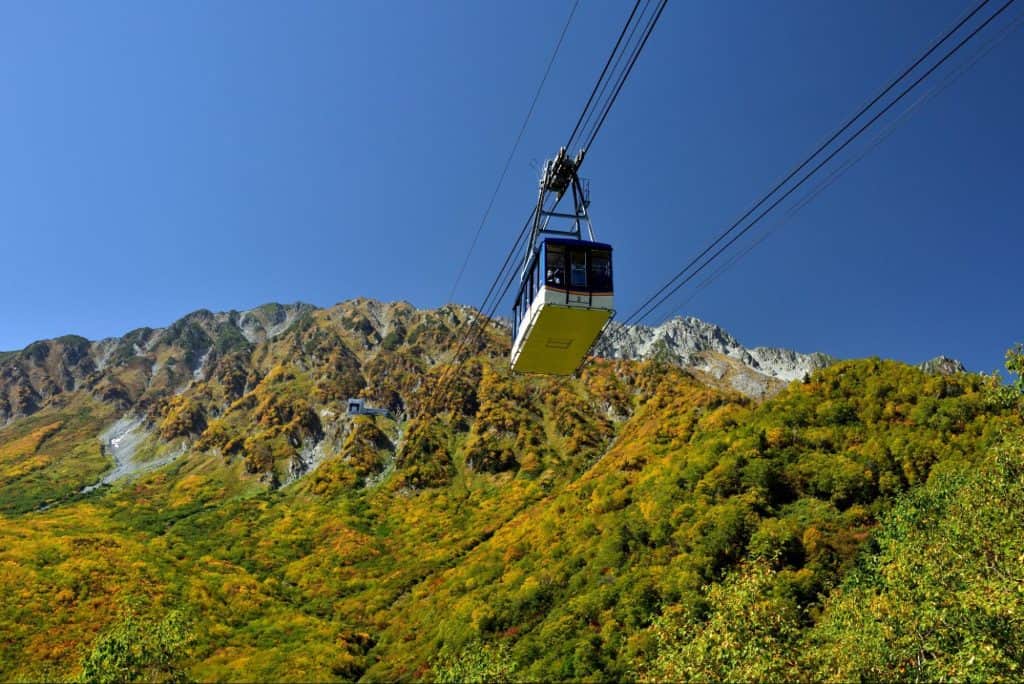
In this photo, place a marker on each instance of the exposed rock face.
(691, 342)
(31, 377)
(942, 365)
(351, 346)
(269, 387)
(139, 367)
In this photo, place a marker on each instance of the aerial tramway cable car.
(565, 294)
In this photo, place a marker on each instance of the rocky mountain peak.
(691, 342)
(267, 321)
(942, 365)
(146, 365)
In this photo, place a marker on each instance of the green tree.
(1011, 394)
(1015, 365)
(942, 598)
(750, 633)
(136, 649)
(478, 662)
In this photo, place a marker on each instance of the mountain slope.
(548, 524)
(294, 365)
(147, 364)
(687, 339)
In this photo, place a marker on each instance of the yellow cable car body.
(565, 301)
(565, 296)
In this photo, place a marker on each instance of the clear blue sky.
(160, 157)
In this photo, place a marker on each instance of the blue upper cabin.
(566, 265)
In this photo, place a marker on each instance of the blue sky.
(157, 158)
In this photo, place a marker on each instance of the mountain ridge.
(564, 526)
(142, 366)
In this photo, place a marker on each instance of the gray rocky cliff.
(691, 342)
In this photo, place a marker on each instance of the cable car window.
(578, 268)
(600, 271)
(554, 266)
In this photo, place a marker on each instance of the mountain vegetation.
(639, 521)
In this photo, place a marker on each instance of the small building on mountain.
(358, 407)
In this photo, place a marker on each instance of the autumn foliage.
(631, 523)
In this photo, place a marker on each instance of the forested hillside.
(639, 521)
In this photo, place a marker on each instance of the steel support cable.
(827, 159)
(589, 111)
(833, 176)
(457, 365)
(508, 277)
(508, 261)
(625, 75)
(472, 334)
(475, 331)
(483, 307)
(600, 78)
(511, 154)
(476, 328)
(605, 108)
(807, 160)
(836, 174)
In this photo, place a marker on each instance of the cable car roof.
(572, 242)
